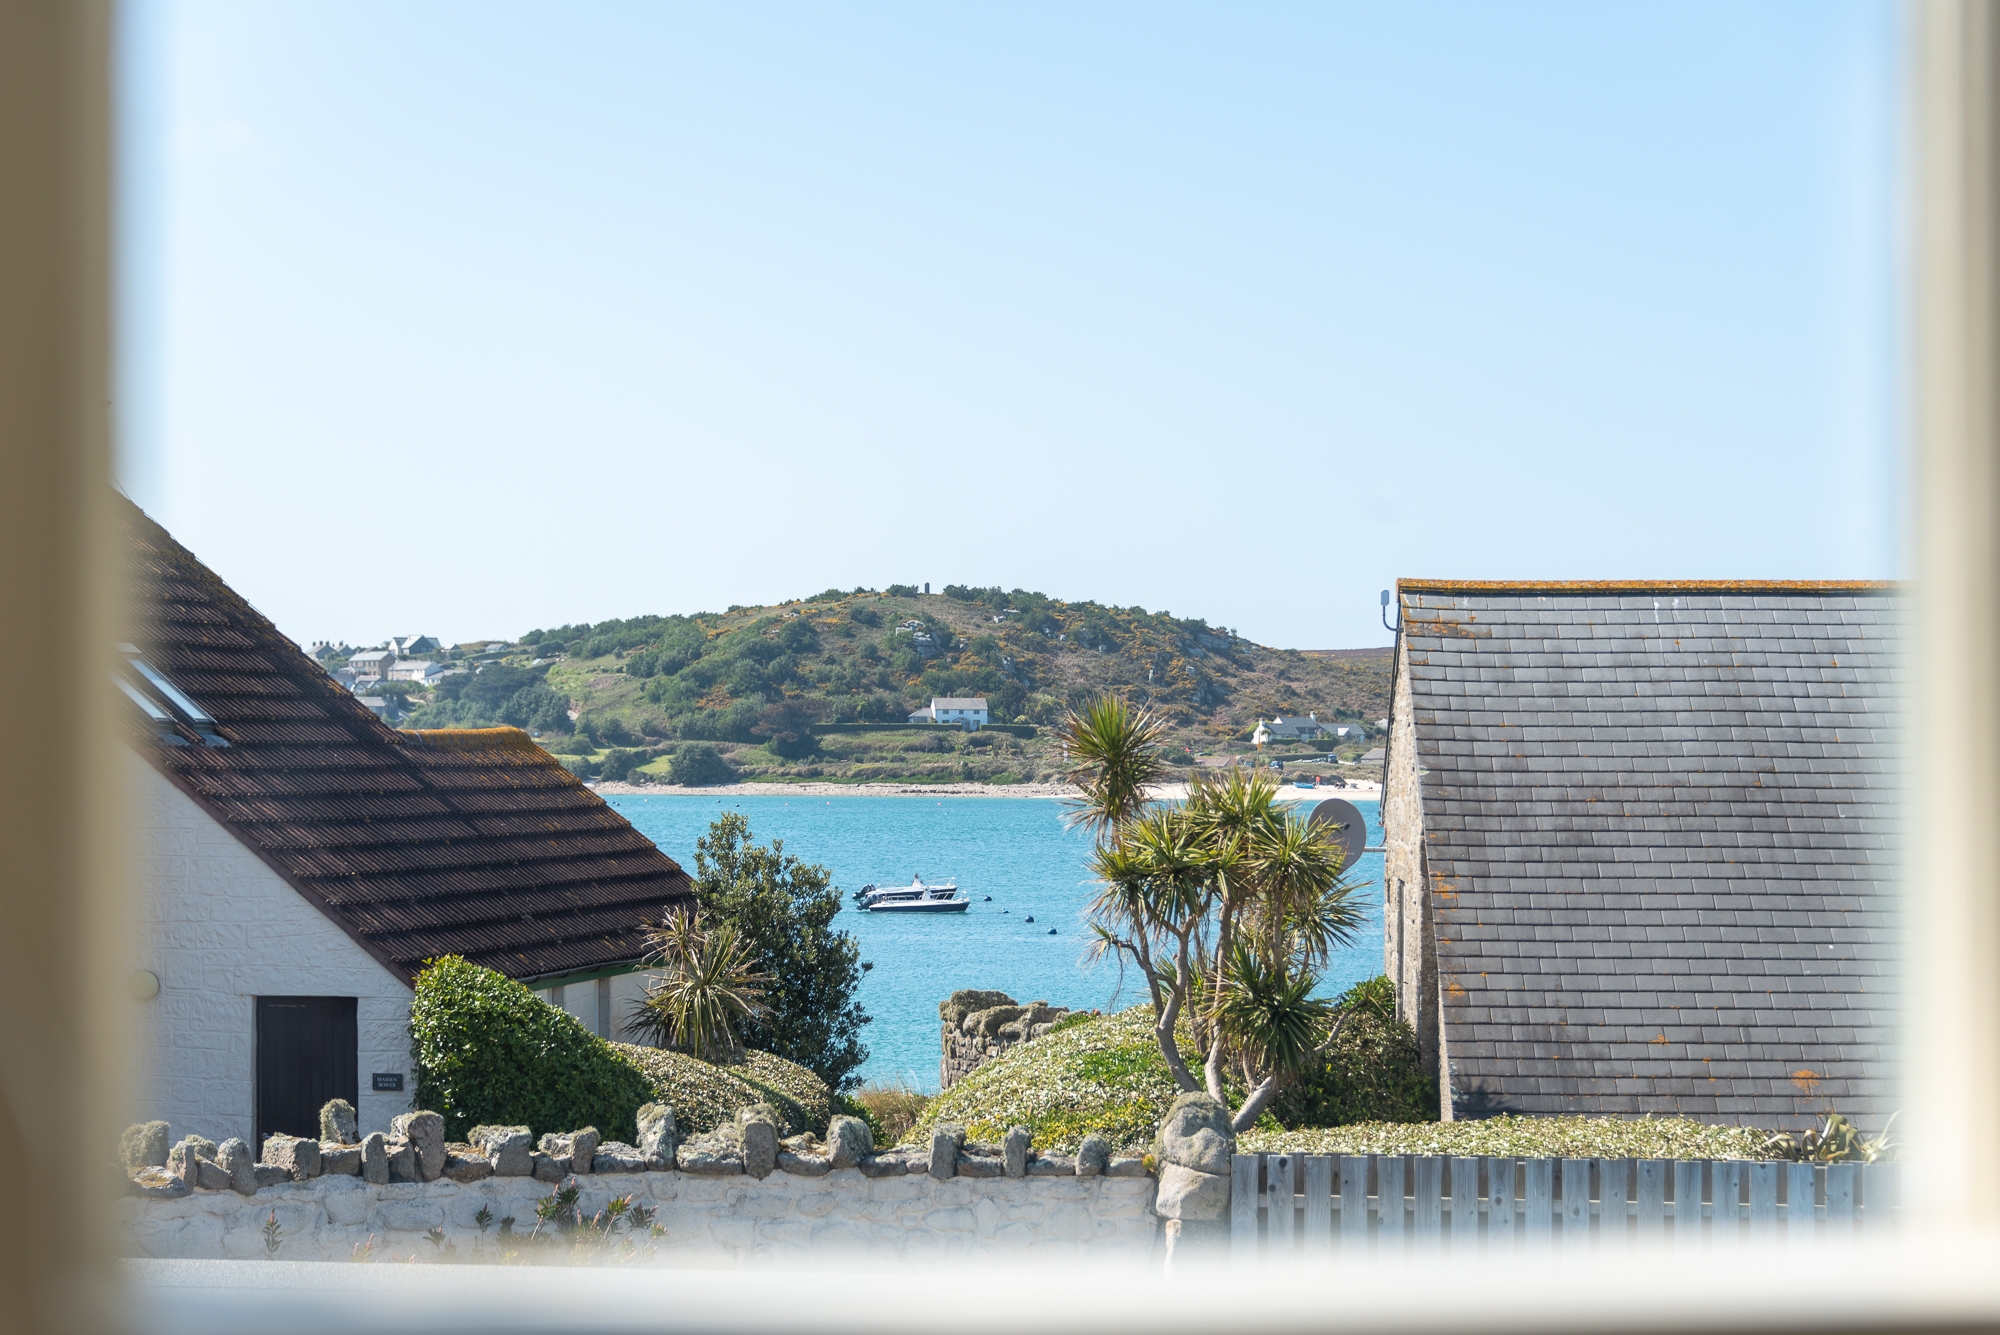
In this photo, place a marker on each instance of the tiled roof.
(418, 844)
(958, 702)
(1659, 825)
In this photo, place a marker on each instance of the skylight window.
(158, 689)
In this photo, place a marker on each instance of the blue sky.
(471, 318)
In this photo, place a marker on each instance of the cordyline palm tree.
(1228, 905)
(705, 988)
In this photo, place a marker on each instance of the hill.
(771, 687)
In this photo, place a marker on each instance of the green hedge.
(487, 1050)
(1023, 730)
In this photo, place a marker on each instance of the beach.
(1170, 792)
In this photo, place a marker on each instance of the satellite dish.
(1350, 826)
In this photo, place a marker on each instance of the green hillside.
(781, 691)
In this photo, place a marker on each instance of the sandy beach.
(1171, 792)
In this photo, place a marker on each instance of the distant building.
(422, 671)
(410, 646)
(371, 665)
(1295, 729)
(968, 711)
(325, 649)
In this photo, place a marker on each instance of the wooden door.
(307, 1052)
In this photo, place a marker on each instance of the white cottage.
(300, 860)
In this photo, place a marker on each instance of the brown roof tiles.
(418, 844)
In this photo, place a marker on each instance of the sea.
(1024, 934)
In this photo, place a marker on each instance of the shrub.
(487, 1050)
(704, 1095)
(890, 1110)
(697, 764)
(1372, 1074)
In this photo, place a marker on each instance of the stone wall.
(737, 1192)
(978, 1026)
(703, 1220)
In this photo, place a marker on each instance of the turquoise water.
(1013, 849)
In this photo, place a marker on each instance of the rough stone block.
(1051, 1165)
(271, 1174)
(338, 1124)
(706, 1162)
(615, 1156)
(1014, 1150)
(848, 1141)
(577, 1148)
(945, 1142)
(233, 1157)
(981, 1166)
(467, 1167)
(1188, 1194)
(1132, 1167)
(882, 1165)
(157, 1183)
(1195, 1134)
(339, 1160)
(658, 1137)
(181, 1159)
(758, 1126)
(550, 1169)
(425, 1133)
(402, 1160)
(804, 1165)
(299, 1158)
(508, 1147)
(374, 1158)
(1093, 1155)
(210, 1176)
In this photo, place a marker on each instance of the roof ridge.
(1648, 585)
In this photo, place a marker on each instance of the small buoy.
(1006, 910)
(989, 899)
(1031, 917)
(1052, 931)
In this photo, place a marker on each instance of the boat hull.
(921, 906)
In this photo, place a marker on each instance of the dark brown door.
(307, 1052)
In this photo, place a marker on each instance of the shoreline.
(1170, 792)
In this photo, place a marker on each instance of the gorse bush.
(487, 1050)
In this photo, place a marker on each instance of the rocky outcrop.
(425, 1133)
(300, 1158)
(658, 1140)
(510, 1149)
(980, 1025)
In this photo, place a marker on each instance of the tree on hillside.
(782, 910)
(1227, 905)
(786, 727)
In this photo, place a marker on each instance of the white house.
(967, 711)
(299, 860)
(410, 646)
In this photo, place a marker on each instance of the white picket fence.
(1293, 1204)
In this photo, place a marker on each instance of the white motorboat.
(918, 896)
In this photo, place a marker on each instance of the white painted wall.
(221, 929)
(601, 1004)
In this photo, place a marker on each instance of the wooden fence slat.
(1575, 1200)
(1614, 1198)
(1316, 1223)
(1840, 1199)
(1427, 1187)
(1878, 1194)
(1763, 1200)
(1500, 1217)
(1279, 1205)
(1725, 1194)
(1464, 1201)
(1353, 1199)
(1540, 1199)
(1652, 1199)
(1389, 1200)
(1801, 1195)
(1243, 1242)
(1687, 1200)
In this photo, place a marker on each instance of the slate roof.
(418, 844)
(1659, 825)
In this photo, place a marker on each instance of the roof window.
(152, 689)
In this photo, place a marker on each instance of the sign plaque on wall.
(388, 1082)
